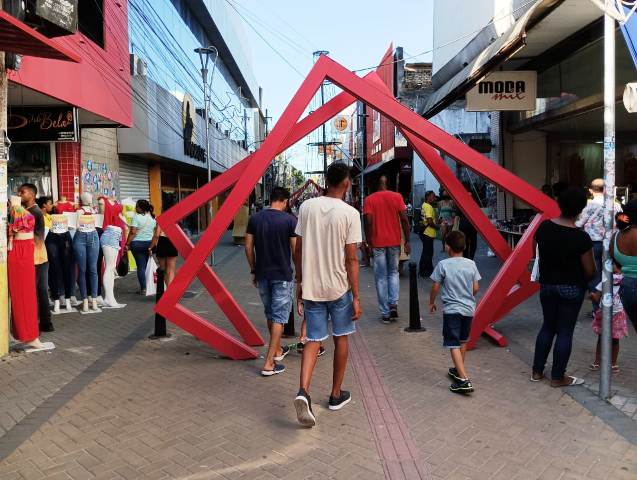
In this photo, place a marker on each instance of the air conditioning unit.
(137, 65)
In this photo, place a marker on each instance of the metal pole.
(415, 324)
(160, 321)
(324, 144)
(609, 200)
(4, 159)
(204, 75)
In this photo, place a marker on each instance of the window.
(91, 20)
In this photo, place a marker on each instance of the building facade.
(558, 139)
(163, 156)
(52, 116)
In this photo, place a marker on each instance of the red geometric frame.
(509, 288)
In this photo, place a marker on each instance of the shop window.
(91, 20)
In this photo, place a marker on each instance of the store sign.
(191, 149)
(341, 123)
(61, 13)
(43, 124)
(513, 91)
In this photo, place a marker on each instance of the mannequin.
(113, 215)
(86, 249)
(62, 205)
(59, 246)
(21, 271)
(110, 242)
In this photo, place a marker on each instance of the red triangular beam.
(509, 288)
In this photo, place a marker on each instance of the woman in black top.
(566, 265)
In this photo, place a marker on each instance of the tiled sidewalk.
(110, 404)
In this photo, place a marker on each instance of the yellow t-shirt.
(48, 222)
(428, 212)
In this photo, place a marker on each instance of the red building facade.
(97, 88)
(380, 131)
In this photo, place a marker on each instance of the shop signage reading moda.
(42, 124)
(513, 91)
(191, 149)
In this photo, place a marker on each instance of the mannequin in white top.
(86, 248)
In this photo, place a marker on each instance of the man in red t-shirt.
(385, 214)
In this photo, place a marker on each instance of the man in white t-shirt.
(326, 260)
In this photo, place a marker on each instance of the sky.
(355, 32)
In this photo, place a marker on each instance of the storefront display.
(86, 249)
(59, 247)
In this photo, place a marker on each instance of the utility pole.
(4, 160)
(317, 55)
(609, 199)
(323, 128)
(245, 129)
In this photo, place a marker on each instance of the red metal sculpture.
(510, 287)
(297, 194)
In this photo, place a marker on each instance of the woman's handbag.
(122, 266)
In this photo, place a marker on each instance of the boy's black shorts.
(455, 329)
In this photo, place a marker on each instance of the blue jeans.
(276, 296)
(386, 275)
(86, 247)
(628, 294)
(139, 249)
(318, 314)
(560, 305)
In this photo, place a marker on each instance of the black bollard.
(288, 329)
(160, 322)
(414, 307)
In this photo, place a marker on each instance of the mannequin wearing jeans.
(139, 239)
(86, 248)
(59, 246)
(110, 247)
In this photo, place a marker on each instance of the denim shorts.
(455, 329)
(276, 296)
(111, 237)
(318, 314)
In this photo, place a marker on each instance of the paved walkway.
(110, 404)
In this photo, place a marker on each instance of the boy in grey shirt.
(456, 278)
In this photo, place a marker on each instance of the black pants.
(426, 265)
(59, 248)
(42, 294)
(560, 305)
(471, 238)
(628, 294)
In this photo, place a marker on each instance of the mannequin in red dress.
(21, 270)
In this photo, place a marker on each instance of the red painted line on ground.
(394, 444)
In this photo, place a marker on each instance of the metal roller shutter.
(133, 180)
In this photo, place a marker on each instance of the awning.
(17, 37)
(630, 34)
(544, 25)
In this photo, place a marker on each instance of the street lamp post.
(204, 57)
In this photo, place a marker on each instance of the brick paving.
(110, 404)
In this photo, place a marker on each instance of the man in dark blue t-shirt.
(270, 241)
